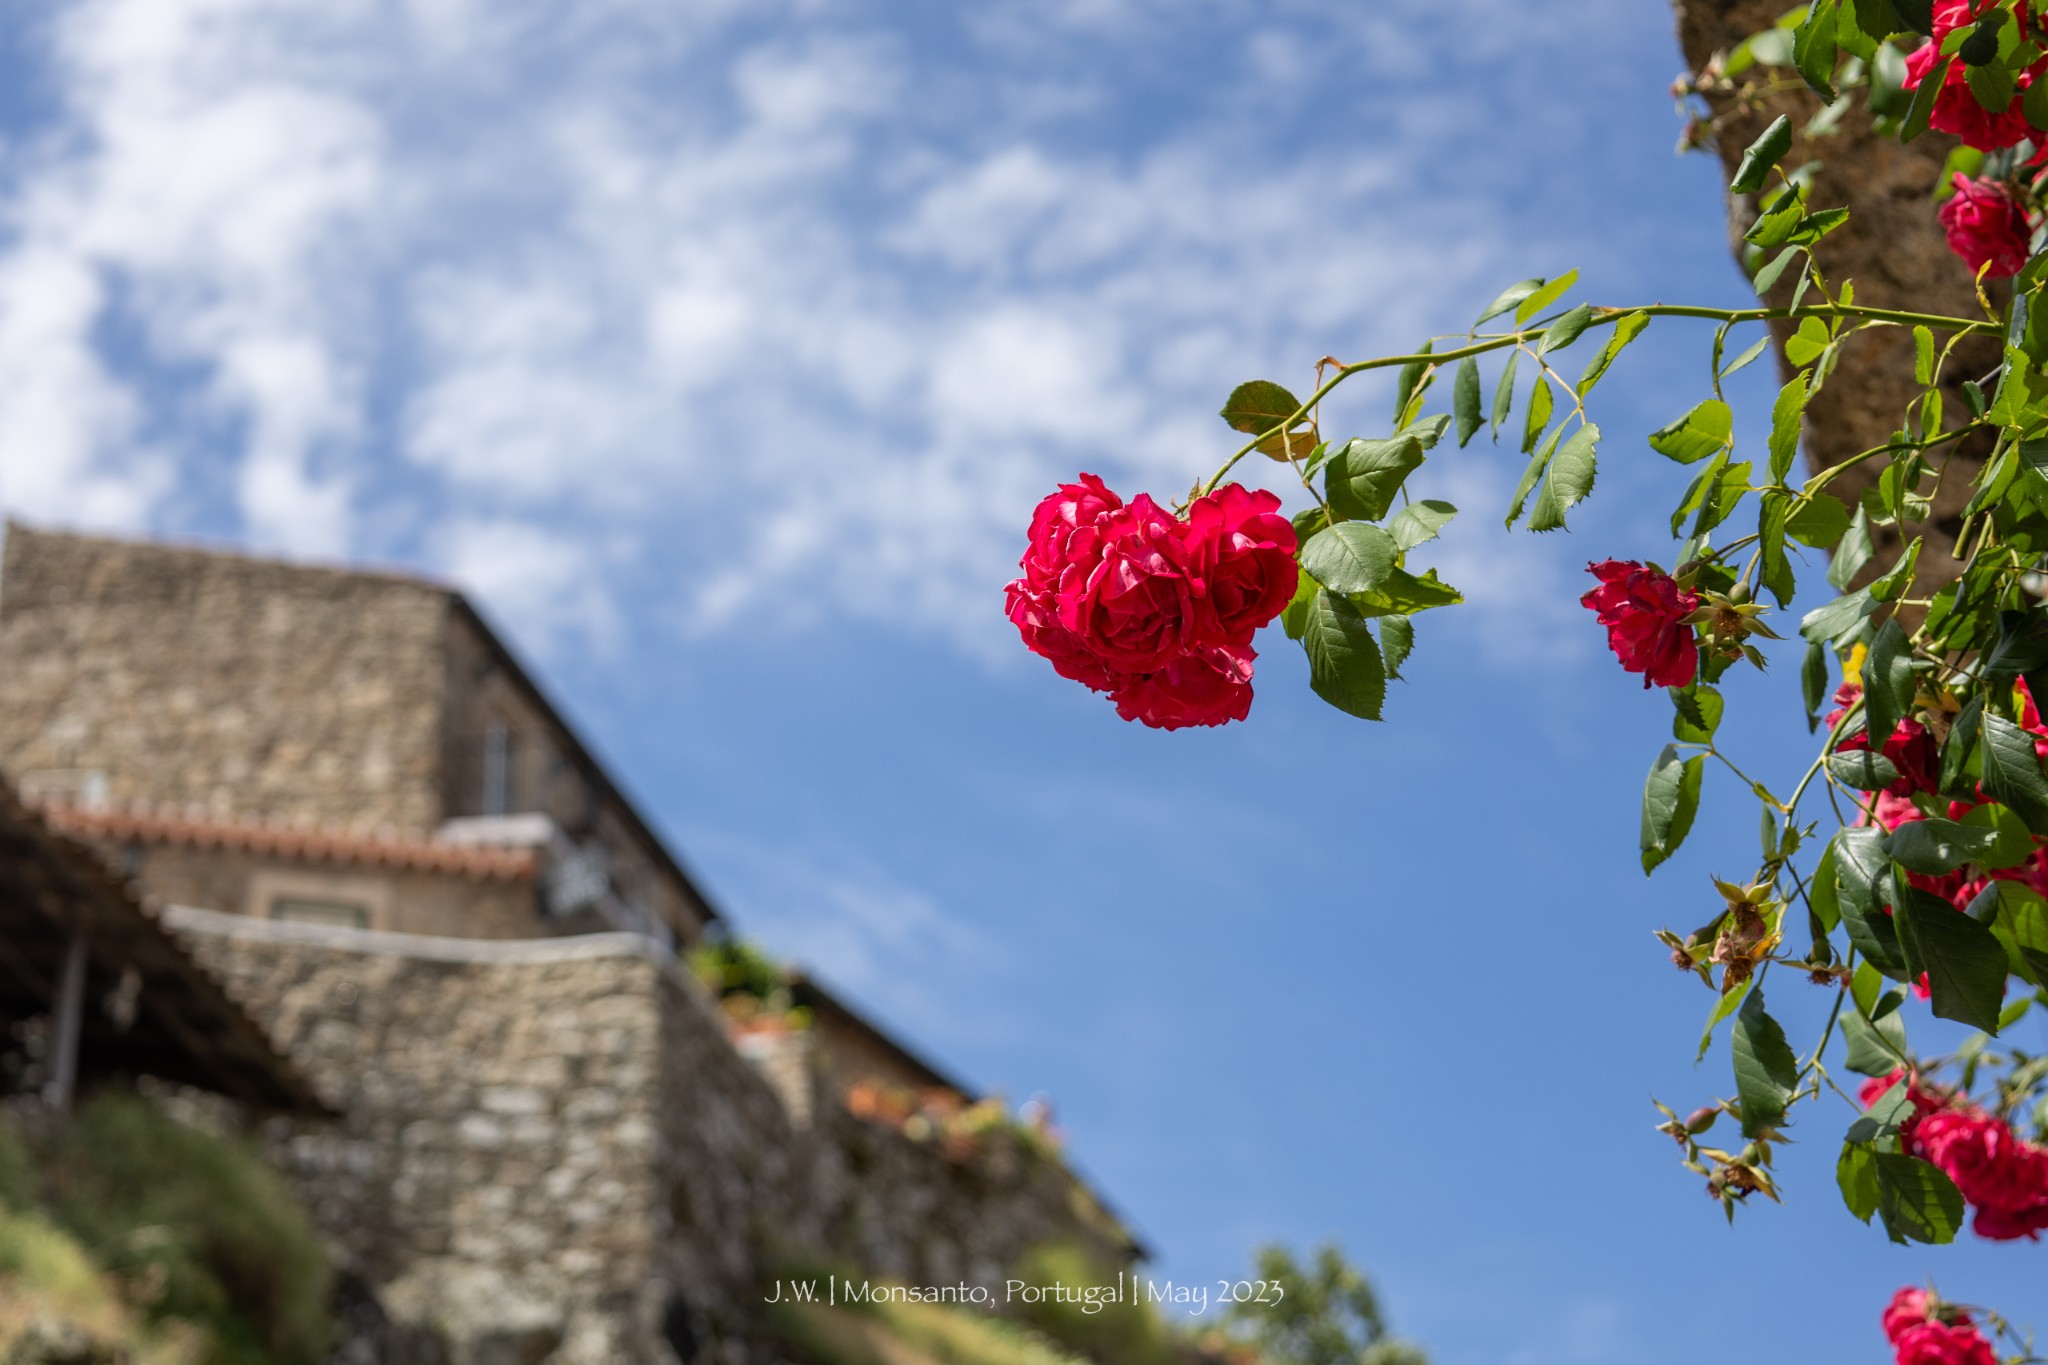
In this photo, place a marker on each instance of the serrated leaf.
(1813, 683)
(1873, 1049)
(1766, 1072)
(1934, 845)
(1565, 330)
(1530, 474)
(1258, 406)
(1742, 361)
(1887, 681)
(1344, 661)
(1856, 1176)
(1923, 356)
(1351, 557)
(1567, 481)
(1785, 415)
(1852, 553)
(1819, 521)
(1543, 297)
(1419, 522)
(1764, 153)
(1964, 961)
(1508, 298)
(1363, 477)
(1538, 416)
(1671, 799)
(1465, 399)
(1776, 566)
(1864, 887)
(2012, 772)
(1403, 594)
(1698, 434)
(1918, 1202)
(1625, 331)
(1397, 642)
(1504, 393)
(1867, 770)
(1696, 713)
(2011, 842)
(1835, 619)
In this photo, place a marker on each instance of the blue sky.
(722, 350)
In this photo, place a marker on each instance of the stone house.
(359, 811)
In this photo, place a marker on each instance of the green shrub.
(197, 1225)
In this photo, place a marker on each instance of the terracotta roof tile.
(296, 841)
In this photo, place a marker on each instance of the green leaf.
(1723, 1007)
(2011, 843)
(1671, 798)
(1565, 330)
(1873, 1049)
(1880, 20)
(1625, 331)
(1767, 151)
(1887, 682)
(1258, 406)
(1856, 1174)
(2022, 926)
(2034, 106)
(1294, 617)
(1537, 464)
(1541, 298)
(1416, 377)
(1935, 845)
(1397, 642)
(1956, 774)
(1723, 495)
(1345, 667)
(1805, 346)
(1504, 393)
(1696, 435)
(1567, 481)
(1867, 770)
(1899, 577)
(1696, 713)
(1465, 399)
(1993, 86)
(1508, 298)
(1419, 522)
(1363, 477)
(1813, 683)
(1756, 349)
(1403, 594)
(1923, 356)
(1864, 886)
(1917, 114)
(1852, 554)
(1785, 415)
(1964, 961)
(1819, 520)
(1766, 1072)
(1777, 567)
(2012, 773)
(1766, 279)
(1835, 619)
(1919, 1203)
(1813, 49)
(1351, 557)
(1538, 415)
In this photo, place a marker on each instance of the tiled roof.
(296, 841)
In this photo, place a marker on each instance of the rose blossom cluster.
(2002, 1175)
(1155, 610)
(1985, 224)
(1645, 613)
(1925, 1331)
(1911, 748)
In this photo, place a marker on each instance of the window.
(333, 914)
(497, 793)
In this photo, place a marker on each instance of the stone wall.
(549, 1150)
(187, 677)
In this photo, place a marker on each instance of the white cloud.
(819, 304)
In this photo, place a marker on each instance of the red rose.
(1135, 607)
(1242, 551)
(1986, 227)
(1956, 109)
(1909, 1307)
(1644, 611)
(1209, 687)
(1911, 748)
(1064, 545)
(1941, 1343)
(2004, 1177)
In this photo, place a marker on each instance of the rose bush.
(1908, 852)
